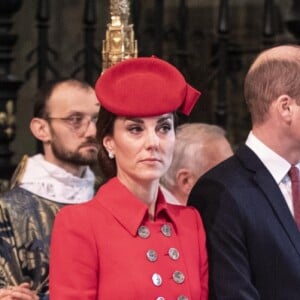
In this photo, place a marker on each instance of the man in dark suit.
(246, 202)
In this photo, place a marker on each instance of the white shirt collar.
(170, 198)
(276, 164)
(54, 183)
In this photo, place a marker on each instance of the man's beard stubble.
(75, 157)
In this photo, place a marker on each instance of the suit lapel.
(269, 187)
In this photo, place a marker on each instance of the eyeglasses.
(78, 123)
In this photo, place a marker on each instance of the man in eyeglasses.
(64, 120)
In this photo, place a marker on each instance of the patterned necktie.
(295, 180)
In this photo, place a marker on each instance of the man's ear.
(284, 107)
(40, 129)
(185, 180)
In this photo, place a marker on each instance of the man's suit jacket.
(253, 241)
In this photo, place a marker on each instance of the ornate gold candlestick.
(119, 43)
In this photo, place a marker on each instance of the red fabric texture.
(144, 87)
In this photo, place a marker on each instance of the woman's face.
(143, 147)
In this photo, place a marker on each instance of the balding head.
(274, 72)
(286, 52)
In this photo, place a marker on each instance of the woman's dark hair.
(105, 126)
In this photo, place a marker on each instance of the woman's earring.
(111, 155)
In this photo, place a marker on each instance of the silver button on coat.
(178, 277)
(156, 279)
(143, 232)
(173, 253)
(166, 230)
(151, 255)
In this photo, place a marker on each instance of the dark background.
(212, 42)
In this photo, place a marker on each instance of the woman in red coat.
(128, 243)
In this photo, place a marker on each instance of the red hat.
(145, 87)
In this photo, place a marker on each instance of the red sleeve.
(73, 256)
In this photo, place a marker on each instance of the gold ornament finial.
(119, 7)
(119, 43)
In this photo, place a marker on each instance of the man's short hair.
(268, 80)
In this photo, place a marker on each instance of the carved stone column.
(9, 86)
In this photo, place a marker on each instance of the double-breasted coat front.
(109, 248)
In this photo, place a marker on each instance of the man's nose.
(91, 129)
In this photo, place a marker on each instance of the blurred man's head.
(64, 121)
(198, 148)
